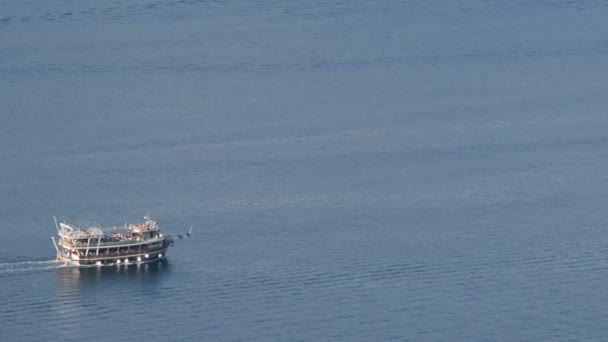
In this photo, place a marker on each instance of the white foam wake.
(23, 266)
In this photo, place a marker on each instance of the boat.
(91, 245)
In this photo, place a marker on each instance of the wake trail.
(24, 266)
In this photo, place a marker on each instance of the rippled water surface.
(357, 170)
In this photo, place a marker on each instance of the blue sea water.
(354, 170)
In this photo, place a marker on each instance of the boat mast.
(56, 248)
(88, 246)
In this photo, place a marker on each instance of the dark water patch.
(339, 63)
(176, 10)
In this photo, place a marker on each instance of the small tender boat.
(130, 244)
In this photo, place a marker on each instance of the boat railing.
(143, 251)
(109, 244)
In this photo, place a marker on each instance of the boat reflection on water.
(73, 277)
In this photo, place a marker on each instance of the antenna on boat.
(56, 225)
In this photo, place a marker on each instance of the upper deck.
(129, 234)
